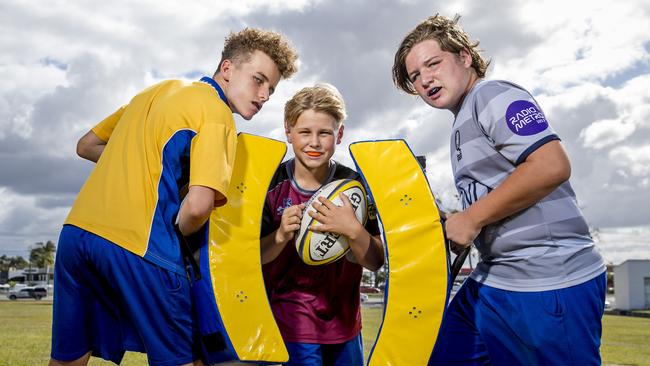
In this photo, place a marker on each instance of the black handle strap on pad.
(190, 246)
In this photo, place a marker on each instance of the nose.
(314, 140)
(265, 93)
(426, 78)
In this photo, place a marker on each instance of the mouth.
(433, 91)
(314, 154)
(257, 106)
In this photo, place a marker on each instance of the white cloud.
(635, 159)
(605, 133)
(66, 65)
(620, 244)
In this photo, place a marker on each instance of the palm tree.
(43, 256)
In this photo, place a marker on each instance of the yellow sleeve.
(105, 128)
(212, 156)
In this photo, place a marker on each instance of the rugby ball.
(322, 248)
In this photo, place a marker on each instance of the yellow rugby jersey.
(131, 198)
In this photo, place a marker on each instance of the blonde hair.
(239, 47)
(451, 38)
(323, 98)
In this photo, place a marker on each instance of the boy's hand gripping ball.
(322, 248)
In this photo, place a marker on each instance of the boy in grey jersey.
(537, 295)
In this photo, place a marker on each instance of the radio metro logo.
(524, 118)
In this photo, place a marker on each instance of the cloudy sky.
(67, 64)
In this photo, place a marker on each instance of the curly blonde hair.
(451, 38)
(323, 98)
(239, 47)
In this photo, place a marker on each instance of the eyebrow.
(410, 75)
(317, 130)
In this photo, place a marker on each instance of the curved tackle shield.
(241, 325)
(416, 289)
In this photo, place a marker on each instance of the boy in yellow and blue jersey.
(121, 281)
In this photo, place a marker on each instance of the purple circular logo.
(524, 118)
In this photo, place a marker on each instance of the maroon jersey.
(311, 304)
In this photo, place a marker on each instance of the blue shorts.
(488, 326)
(349, 353)
(108, 300)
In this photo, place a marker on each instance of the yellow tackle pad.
(416, 288)
(232, 257)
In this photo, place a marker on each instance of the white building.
(632, 284)
(35, 276)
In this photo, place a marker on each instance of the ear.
(226, 69)
(287, 131)
(465, 57)
(339, 136)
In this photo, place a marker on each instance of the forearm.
(90, 146)
(271, 246)
(93, 153)
(196, 210)
(367, 249)
(530, 182)
(509, 198)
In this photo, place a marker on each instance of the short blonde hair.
(323, 98)
(451, 38)
(240, 46)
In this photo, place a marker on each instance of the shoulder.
(157, 91)
(495, 97)
(281, 175)
(198, 99)
(490, 89)
(343, 172)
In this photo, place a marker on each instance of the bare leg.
(81, 361)
(195, 363)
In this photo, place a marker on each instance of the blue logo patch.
(286, 203)
(524, 118)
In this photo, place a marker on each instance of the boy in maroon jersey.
(316, 307)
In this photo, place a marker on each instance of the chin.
(441, 104)
(248, 116)
(314, 164)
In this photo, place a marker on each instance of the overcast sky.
(67, 64)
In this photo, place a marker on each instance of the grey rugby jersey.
(544, 247)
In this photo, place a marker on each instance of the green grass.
(26, 335)
(371, 318)
(626, 340)
(26, 332)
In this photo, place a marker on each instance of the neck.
(310, 178)
(223, 84)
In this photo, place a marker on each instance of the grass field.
(25, 336)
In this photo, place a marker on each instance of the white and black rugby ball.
(322, 248)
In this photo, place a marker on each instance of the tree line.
(41, 255)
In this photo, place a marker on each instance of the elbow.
(565, 175)
(198, 204)
(379, 264)
(561, 174)
(82, 149)
(376, 264)
(199, 212)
